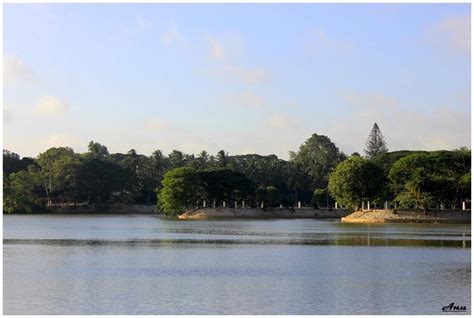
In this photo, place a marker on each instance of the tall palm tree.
(222, 158)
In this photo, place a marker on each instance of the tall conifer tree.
(375, 144)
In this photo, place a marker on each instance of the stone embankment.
(409, 216)
(106, 209)
(206, 213)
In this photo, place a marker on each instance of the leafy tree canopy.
(318, 156)
(427, 178)
(355, 180)
(181, 190)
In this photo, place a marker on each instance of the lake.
(143, 264)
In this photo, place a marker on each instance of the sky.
(246, 78)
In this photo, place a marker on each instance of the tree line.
(317, 175)
(418, 179)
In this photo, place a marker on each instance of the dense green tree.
(455, 166)
(97, 150)
(412, 180)
(266, 171)
(272, 197)
(58, 173)
(318, 156)
(424, 179)
(387, 159)
(181, 189)
(145, 173)
(202, 160)
(159, 164)
(300, 184)
(465, 186)
(260, 193)
(355, 180)
(176, 159)
(375, 144)
(99, 181)
(13, 163)
(184, 188)
(22, 192)
(225, 185)
(321, 198)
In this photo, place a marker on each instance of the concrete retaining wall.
(204, 213)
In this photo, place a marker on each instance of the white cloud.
(6, 114)
(157, 124)
(249, 76)
(51, 105)
(144, 24)
(252, 100)
(14, 70)
(318, 39)
(280, 121)
(244, 99)
(452, 33)
(171, 35)
(131, 29)
(227, 67)
(216, 49)
(375, 100)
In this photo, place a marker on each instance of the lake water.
(136, 264)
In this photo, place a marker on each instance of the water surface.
(136, 264)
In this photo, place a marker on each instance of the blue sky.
(247, 78)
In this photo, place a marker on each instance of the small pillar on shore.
(363, 206)
(235, 204)
(441, 206)
(281, 206)
(335, 205)
(299, 204)
(386, 205)
(204, 203)
(223, 204)
(464, 205)
(368, 205)
(261, 204)
(214, 204)
(243, 204)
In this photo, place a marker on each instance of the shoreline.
(344, 215)
(409, 216)
(141, 209)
